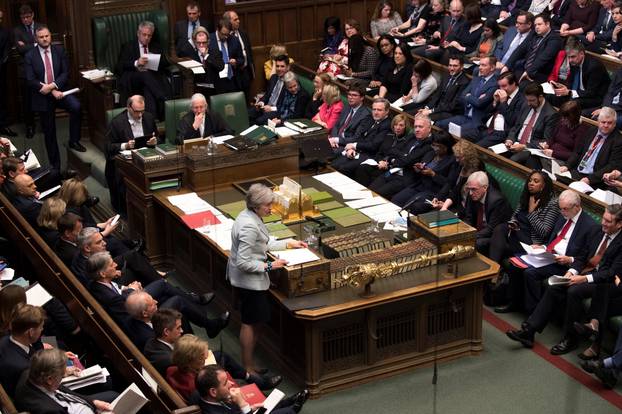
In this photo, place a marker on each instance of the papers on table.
(607, 196)
(555, 169)
(382, 212)
(538, 153)
(455, 130)
(196, 67)
(36, 295)
(219, 233)
(366, 202)
(581, 187)
(285, 132)
(153, 61)
(220, 139)
(296, 256)
(129, 401)
(89, 376)
(499, 148)
(547, 88)
(191, 203)
(356, 194)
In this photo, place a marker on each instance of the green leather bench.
(174, 110)
(232, 107)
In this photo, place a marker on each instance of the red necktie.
(346, 122)
(49, 74)
(527, 131)
(595, 260)
(588, 154)
(560, 236)
(480, 216)
(145, 49)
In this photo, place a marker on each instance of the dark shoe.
(589, 354)
(220, 323)
(265, 382)
(69, 173)
(91, 201)
(300, 400)
(566, 345)
(30, 132)
(203, 299)
(524, 336)
(76, 146)
(585, 330)
(8, 132)
(590, 366)
(607, 376)
(261, 371)
(138, 245)
(505, 308)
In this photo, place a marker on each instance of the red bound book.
(201, 219)
(252, 394)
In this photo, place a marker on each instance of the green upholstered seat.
(232, 107)
(174, 110)
(511, 186)
(111, 113)
(111, 32)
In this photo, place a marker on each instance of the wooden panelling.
(272, 33)
(293, 26)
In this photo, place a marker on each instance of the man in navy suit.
(600, 36)
(247, 69)
(604, 263)
(47, 74)
(25, 200)
(266, 108)
(475, 98)
(184, 29)
(355, 119)
(229, 80)
(209, 57)
(513, 38)
(135, 78)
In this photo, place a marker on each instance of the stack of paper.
(191, 203)
(36, 295)
(89, 376)
(382, 213)
(537, 257)
(129, 401)
(193, 65)
(94, 74)
(219, 233)
(558, 280)
(296, 256)
(581, 187)
(607, 197)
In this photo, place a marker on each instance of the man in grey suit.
(354, 120)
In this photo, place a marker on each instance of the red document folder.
(200, 219)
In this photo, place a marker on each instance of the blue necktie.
(576, 82)
(225, 58)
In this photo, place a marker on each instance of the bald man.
(25, 200)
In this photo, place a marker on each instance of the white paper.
(36, 295)
(396, 170)
(219, 140)
(556, 170)
(190, 64)
(223, 73)
(344, 77)
(71, 91)
(547, 88)
(581, 187)
(7, 274)
(455, 130)
(249, 129)
(285, 132)
(538, 153)
(539, 251)
(366, 202)
(272, 400)
(153, 61)
(537, 261)
(129, 401)
(48, 192)
(357, 195)
(558, 280)
(606, 196)
(296, 256)
(94, 74)
(370, 161)
(399, 102)
(499, 148)
(199, 70)
(31, 163)
(149, 380)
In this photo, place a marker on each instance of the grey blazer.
(250, 241)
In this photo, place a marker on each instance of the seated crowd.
(490, 93)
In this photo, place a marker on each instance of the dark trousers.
(388, 186)
(27, 113)
(533, 282)
(48, 124)
(617, 351)
(469, 129)
(541, 315)
(230, 365)
(4, 122)
(136, 267)
(346, 165)
(366, 174)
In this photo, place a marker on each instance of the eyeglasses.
(200, 43)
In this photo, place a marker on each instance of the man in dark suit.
(267, 107)
(25, 200)
(485, 208)
(444, 102)
(230, 78)
(475, 99)
(135, 78)
(539, 54)
(210, 57)
(122, 133)
(47, 73)
(140, 307)
(559, 12)
(69, 227)
(17, 348)
(39, 389)
(569, 241)
(513, 38)
(24, 41)
(5, 46)
(605, 261)
(449, 25)
(184, 29)
(200, 121)
(600, 36)
(247, 69)
(508, 103)
(536, 123)
(365, 145)
(587, 83)
(216, 395)
(294, 103)
(355, 119)
(612, 99)
(598, 153)
(102, 271)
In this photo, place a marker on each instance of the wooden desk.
(336, 339)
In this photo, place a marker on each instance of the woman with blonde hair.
(189, 355)
(319, 81)
(51, 211)
(275, 51)
(330, 110)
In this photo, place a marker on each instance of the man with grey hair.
(102, 271)
(132, 128)
(599, 153)
(210, 57)
(485, 208)
(134, 75)
(295, 102)
(40, 390)
(200, 121)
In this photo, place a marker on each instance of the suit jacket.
(20, 34)
(418, 150)
(13, 361)
(615, 88)
(609, 157)
(212, 65)
(139, 332)
(603, 29)
(235, 52)
(214, 125)
(5, 45)
(370, 140)
(30, 398)
(477, 97)
(249, 69)
(29, 208)
(158, 354)
(181, 32)
(445, 99)
(595, 80)
(543, 129)
(129, 53)
(496, 211)
(113, 302)
(271, 85)
(504, 46)
(66, 251)
(300, 107)
(360, 122)
(544, 58)
(35, 75)
(78, 267)
(610, 263)
(119, 132)
(585, 229)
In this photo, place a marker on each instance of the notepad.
(296, 256)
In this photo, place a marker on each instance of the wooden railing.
(57, 279)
